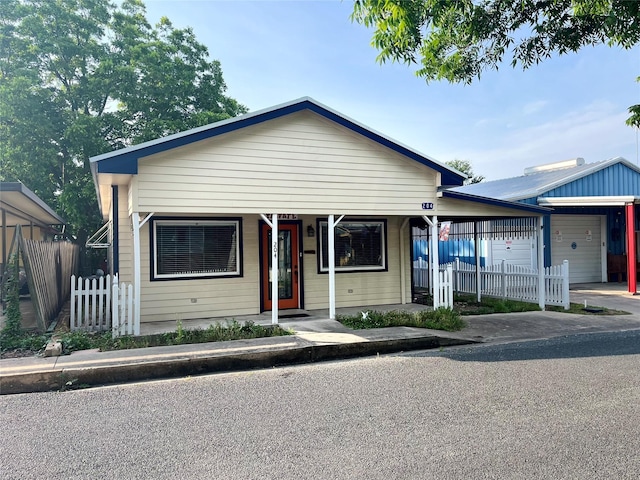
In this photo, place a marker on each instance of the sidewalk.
(316, 339)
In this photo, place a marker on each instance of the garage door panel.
(577, 238)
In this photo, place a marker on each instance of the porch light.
(311, 231)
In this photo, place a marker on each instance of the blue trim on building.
(115, 231)
(127, 161)
(546, 237)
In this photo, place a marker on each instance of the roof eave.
(534, 209)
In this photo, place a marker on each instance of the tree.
(457, 40)
(465, 167)
(83, 77)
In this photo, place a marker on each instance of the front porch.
(316, 321)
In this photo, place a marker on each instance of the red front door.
(288, 263)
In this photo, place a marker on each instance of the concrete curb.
(58, 379)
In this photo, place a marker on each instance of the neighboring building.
(191, 214)
(594, 220)
(20, 206)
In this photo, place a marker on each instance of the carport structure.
(594, 222)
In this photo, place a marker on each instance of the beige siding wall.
(229, 297)
(357, 288)
(125, 237)
(202, 298)
(299, 163)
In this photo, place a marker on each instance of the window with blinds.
(359, 246)
(196, 248)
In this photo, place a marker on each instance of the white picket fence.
(100, 304)
(503, 280)
(445, 292)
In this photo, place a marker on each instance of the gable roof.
(125, 161)
(537, 184)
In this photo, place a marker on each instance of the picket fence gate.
(102, 303)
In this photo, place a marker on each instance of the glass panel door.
(288, 254)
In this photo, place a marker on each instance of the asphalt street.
(565, 408)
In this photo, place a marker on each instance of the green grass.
(468, 305)
(440, 319)
(74, 341)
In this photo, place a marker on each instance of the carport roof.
(534, 185)
(21, 206)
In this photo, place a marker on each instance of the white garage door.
(577, 238)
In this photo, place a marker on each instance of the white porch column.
(433, 258)
(403, 269)
(137, 225)
(273, 223)
(476, 244)
(331, 258)
(541, 289)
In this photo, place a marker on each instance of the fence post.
(449, 286)
(565, 285)
(503, 280)
(72, 314)
(115, 310)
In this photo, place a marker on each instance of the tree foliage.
(83, 77)
(465, 167)
(457, 40)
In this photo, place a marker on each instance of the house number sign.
(427, 206)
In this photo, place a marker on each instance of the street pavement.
(316, 339)
(560, 408)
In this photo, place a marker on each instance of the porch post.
(403, 269)
(541, 285)
(331, 258)
(435, 259)
(631, 247)
(475, 249)
(137, 225)
(135, 219)
(275, 295)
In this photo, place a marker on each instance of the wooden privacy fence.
(514, 282)
(48, 265)
(100, 304)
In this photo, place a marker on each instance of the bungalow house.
(192, 214)
(594, 219)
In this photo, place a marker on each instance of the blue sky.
(275, 51)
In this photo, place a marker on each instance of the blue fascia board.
(127, 161)
(535, 209)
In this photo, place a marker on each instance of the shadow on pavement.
(571, 346)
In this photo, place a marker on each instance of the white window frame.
(196, 222)
(358, 268)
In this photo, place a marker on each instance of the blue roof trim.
(496, 203)
(126, 160)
